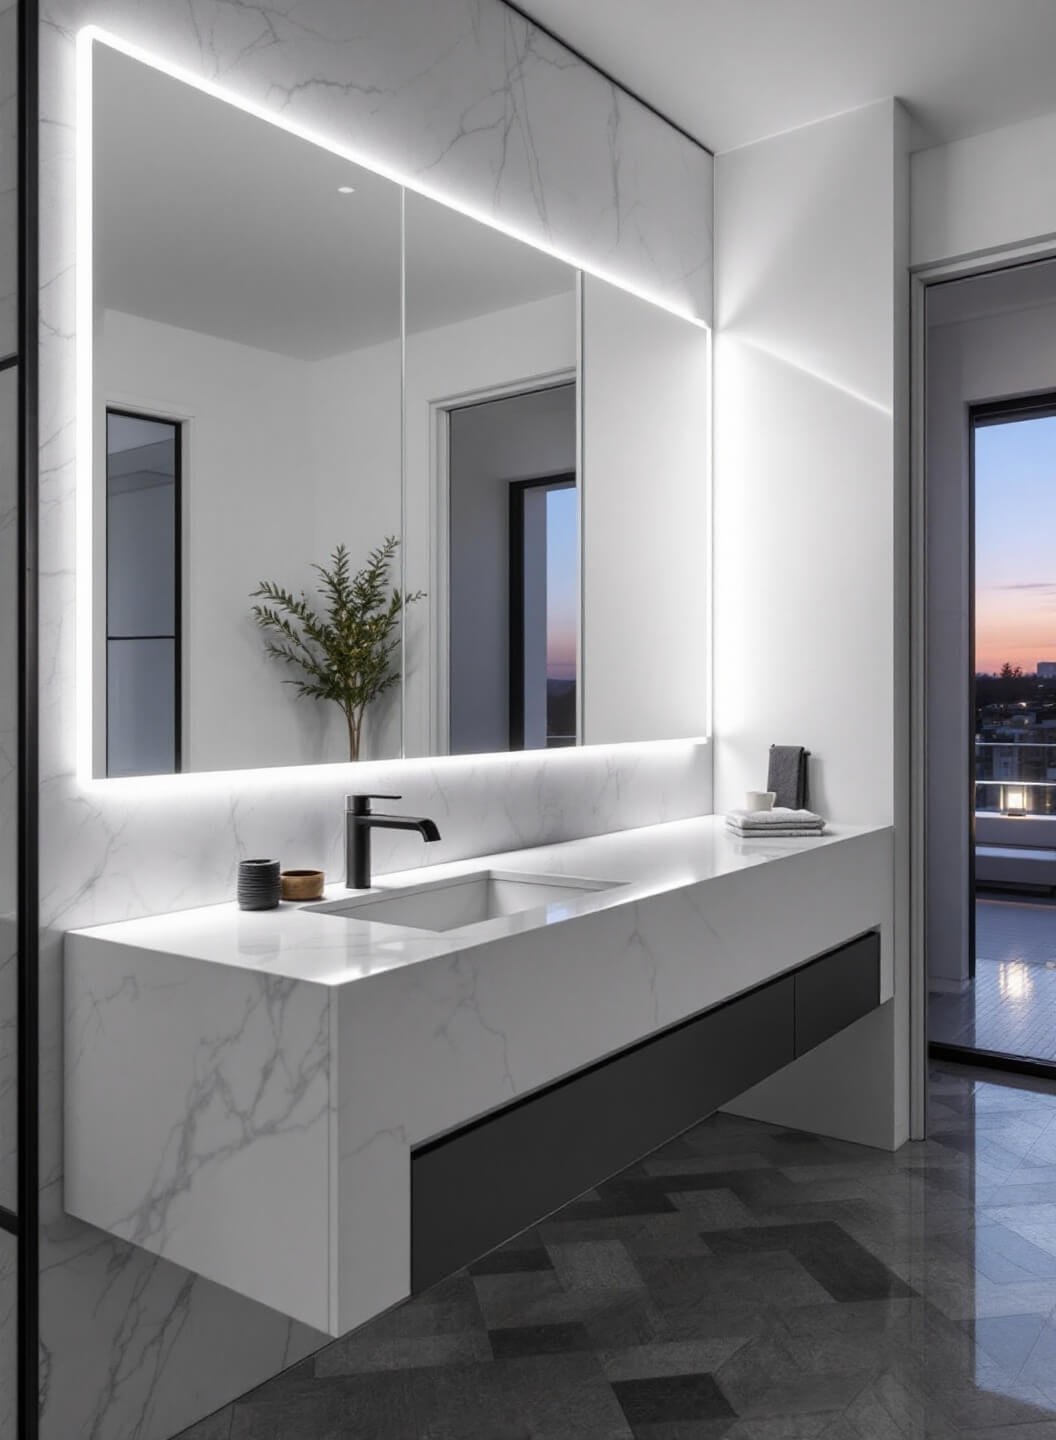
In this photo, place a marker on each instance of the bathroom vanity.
(327, 1111)
(290, 356)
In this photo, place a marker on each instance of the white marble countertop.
(237, 1101)
(298, 942)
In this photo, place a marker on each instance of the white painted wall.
(283, 459)
(984, 357)
(985, 193)
(811, 504)
(354, 418)
(646, 567)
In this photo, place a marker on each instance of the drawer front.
(836, 990)
(474, 1189)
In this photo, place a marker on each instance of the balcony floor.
(1010, 1006)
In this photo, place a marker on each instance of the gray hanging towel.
(787, 776)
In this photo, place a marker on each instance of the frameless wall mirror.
(368, 478)
(246, 417)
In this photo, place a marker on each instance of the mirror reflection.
(370, 478)
(247, 422)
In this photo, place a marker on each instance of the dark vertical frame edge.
(516, 615)
(28, 756)
(179, 429)
(563, 480)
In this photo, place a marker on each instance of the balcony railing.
(1015, 777)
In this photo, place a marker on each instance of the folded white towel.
(778, 818)
(775, 832)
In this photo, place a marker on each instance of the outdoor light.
(1016, 801)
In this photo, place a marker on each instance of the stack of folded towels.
(778, 821)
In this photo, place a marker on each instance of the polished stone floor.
(744, 1281)
(1010, 1006)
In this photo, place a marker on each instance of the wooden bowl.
(302, 884)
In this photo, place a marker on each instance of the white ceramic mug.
(759, 799)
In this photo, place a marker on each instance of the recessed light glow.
(346, 189)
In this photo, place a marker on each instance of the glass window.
(544, 612)
(142, 594)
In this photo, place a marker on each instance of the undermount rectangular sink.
(468, 900)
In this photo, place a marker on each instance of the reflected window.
(544, 609)
(142, 594)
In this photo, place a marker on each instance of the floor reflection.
(743, 1281)
(1010, 1006)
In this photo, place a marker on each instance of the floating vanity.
(328, 1106)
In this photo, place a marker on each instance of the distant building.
(1047, 669)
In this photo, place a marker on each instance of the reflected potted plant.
(346, 652)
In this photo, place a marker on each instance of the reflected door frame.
(440, 531)
(518, 498)
(174, 412)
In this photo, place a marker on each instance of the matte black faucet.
(360, 820)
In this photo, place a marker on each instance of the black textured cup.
(258, 884)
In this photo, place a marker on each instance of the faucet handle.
(360, 804)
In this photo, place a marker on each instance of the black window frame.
(179, 427)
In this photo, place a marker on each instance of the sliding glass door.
(1007, 1006)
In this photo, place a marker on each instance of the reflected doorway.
(512, 583)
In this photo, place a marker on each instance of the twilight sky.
(1015, 544)
(562, 583)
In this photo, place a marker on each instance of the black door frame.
(1034, 405)
(562, 480)
(27, 1219)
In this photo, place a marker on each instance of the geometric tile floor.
(1010, 1006)
(743, 1281)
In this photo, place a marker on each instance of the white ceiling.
(734, 71)
(211, 219)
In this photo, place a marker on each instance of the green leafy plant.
(347, 652)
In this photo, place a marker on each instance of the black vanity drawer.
(836, 990)
(475, 1188)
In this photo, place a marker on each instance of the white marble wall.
(463, 94)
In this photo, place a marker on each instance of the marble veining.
(426, 1031)
(480, 107)
(251, 1091)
